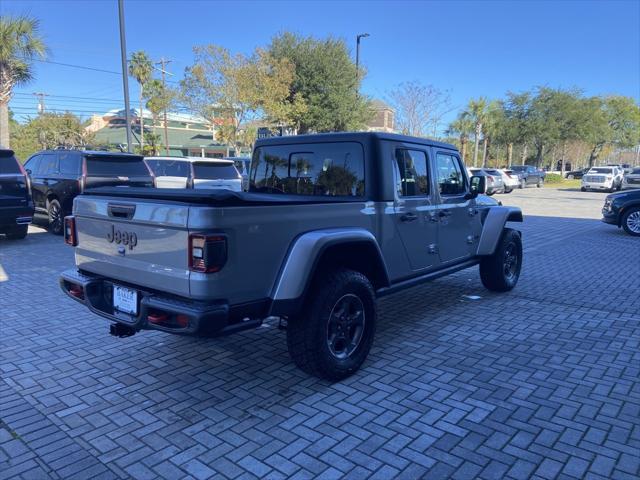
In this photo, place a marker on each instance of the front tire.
(570, 177)
(56, 217)
(583, 189)
(332, 336)
(500, 272)
(631, 221)
(508, 190)
(540, 183)
(523, 184)
(18, 233)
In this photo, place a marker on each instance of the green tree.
(159, 98)
(476, 112)
(141, 68)
(462, 127)
(325, 83)
(20, 45)
(613, 120)
(233, 89)
(51, 130)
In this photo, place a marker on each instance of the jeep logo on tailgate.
(124, 238)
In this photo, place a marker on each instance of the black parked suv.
(16, 206)
(57, 176)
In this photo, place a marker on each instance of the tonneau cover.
(219, 197)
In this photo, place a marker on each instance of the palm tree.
(476, 112)
(463, 128)
(20, 45)
(141, 68)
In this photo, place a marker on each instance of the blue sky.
(468, 48)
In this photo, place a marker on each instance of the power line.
(77, 66)
(74, 97)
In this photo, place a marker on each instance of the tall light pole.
(358, 37)
(125, 78)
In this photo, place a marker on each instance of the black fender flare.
(493, 225)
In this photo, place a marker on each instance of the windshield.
(214, 171)
(601, 170)
(115, 166)
(519, 168)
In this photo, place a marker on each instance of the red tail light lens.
(207, 253)
(70, 235)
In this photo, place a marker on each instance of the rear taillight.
(207, 253)
(27, 179)
(70, 235)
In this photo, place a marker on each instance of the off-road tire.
(635, 211)
(307, 332)
(495, 274)
(56, 217)
(18, 233)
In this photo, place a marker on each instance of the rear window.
(169, 168)
(214, 171)
(601, 170)
(114, 166)
(322, 169)
(8, 164)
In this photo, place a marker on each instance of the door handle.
(444, 213)
(408, 217)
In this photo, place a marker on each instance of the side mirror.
(477, 185)
(28, 170)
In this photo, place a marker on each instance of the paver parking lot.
(541, 382)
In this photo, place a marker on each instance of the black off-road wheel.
(56, 217)
(18, 233)
(500, 272)
(333, 334)
(631, 221)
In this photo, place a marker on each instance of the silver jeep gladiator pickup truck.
(330, 222)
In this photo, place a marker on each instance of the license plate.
(125, 300)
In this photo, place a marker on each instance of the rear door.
(115, 170)
(455, 213)
(415, 209)
(13, 183)
(43, 179)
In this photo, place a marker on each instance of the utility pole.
(358, 37)
(41, 106)
(125, 78)
(163, 62)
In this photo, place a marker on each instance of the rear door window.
(320, 169)
(69, 163)
(116, 166)
(214, 171)
(33, 164)
(8, 164)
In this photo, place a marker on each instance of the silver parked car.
(632, 179)
(494, 181)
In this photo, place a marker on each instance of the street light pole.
(358, 37)
(125, 78)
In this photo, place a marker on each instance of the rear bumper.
(14, 216)
(197, 318)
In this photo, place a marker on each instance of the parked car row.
(507, 179)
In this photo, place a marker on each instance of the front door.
(455, 213)
(415, 210)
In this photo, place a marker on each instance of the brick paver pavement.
(542, 382)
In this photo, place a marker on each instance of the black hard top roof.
(350, 136)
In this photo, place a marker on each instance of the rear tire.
(508, 190)
(333, 334)
(18, 233)
(500, 272)
(631, 221)
(583, 189)
(56, 217)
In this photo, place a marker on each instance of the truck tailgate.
(138, 242)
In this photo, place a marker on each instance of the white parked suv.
(602, 178)
(195, 172)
